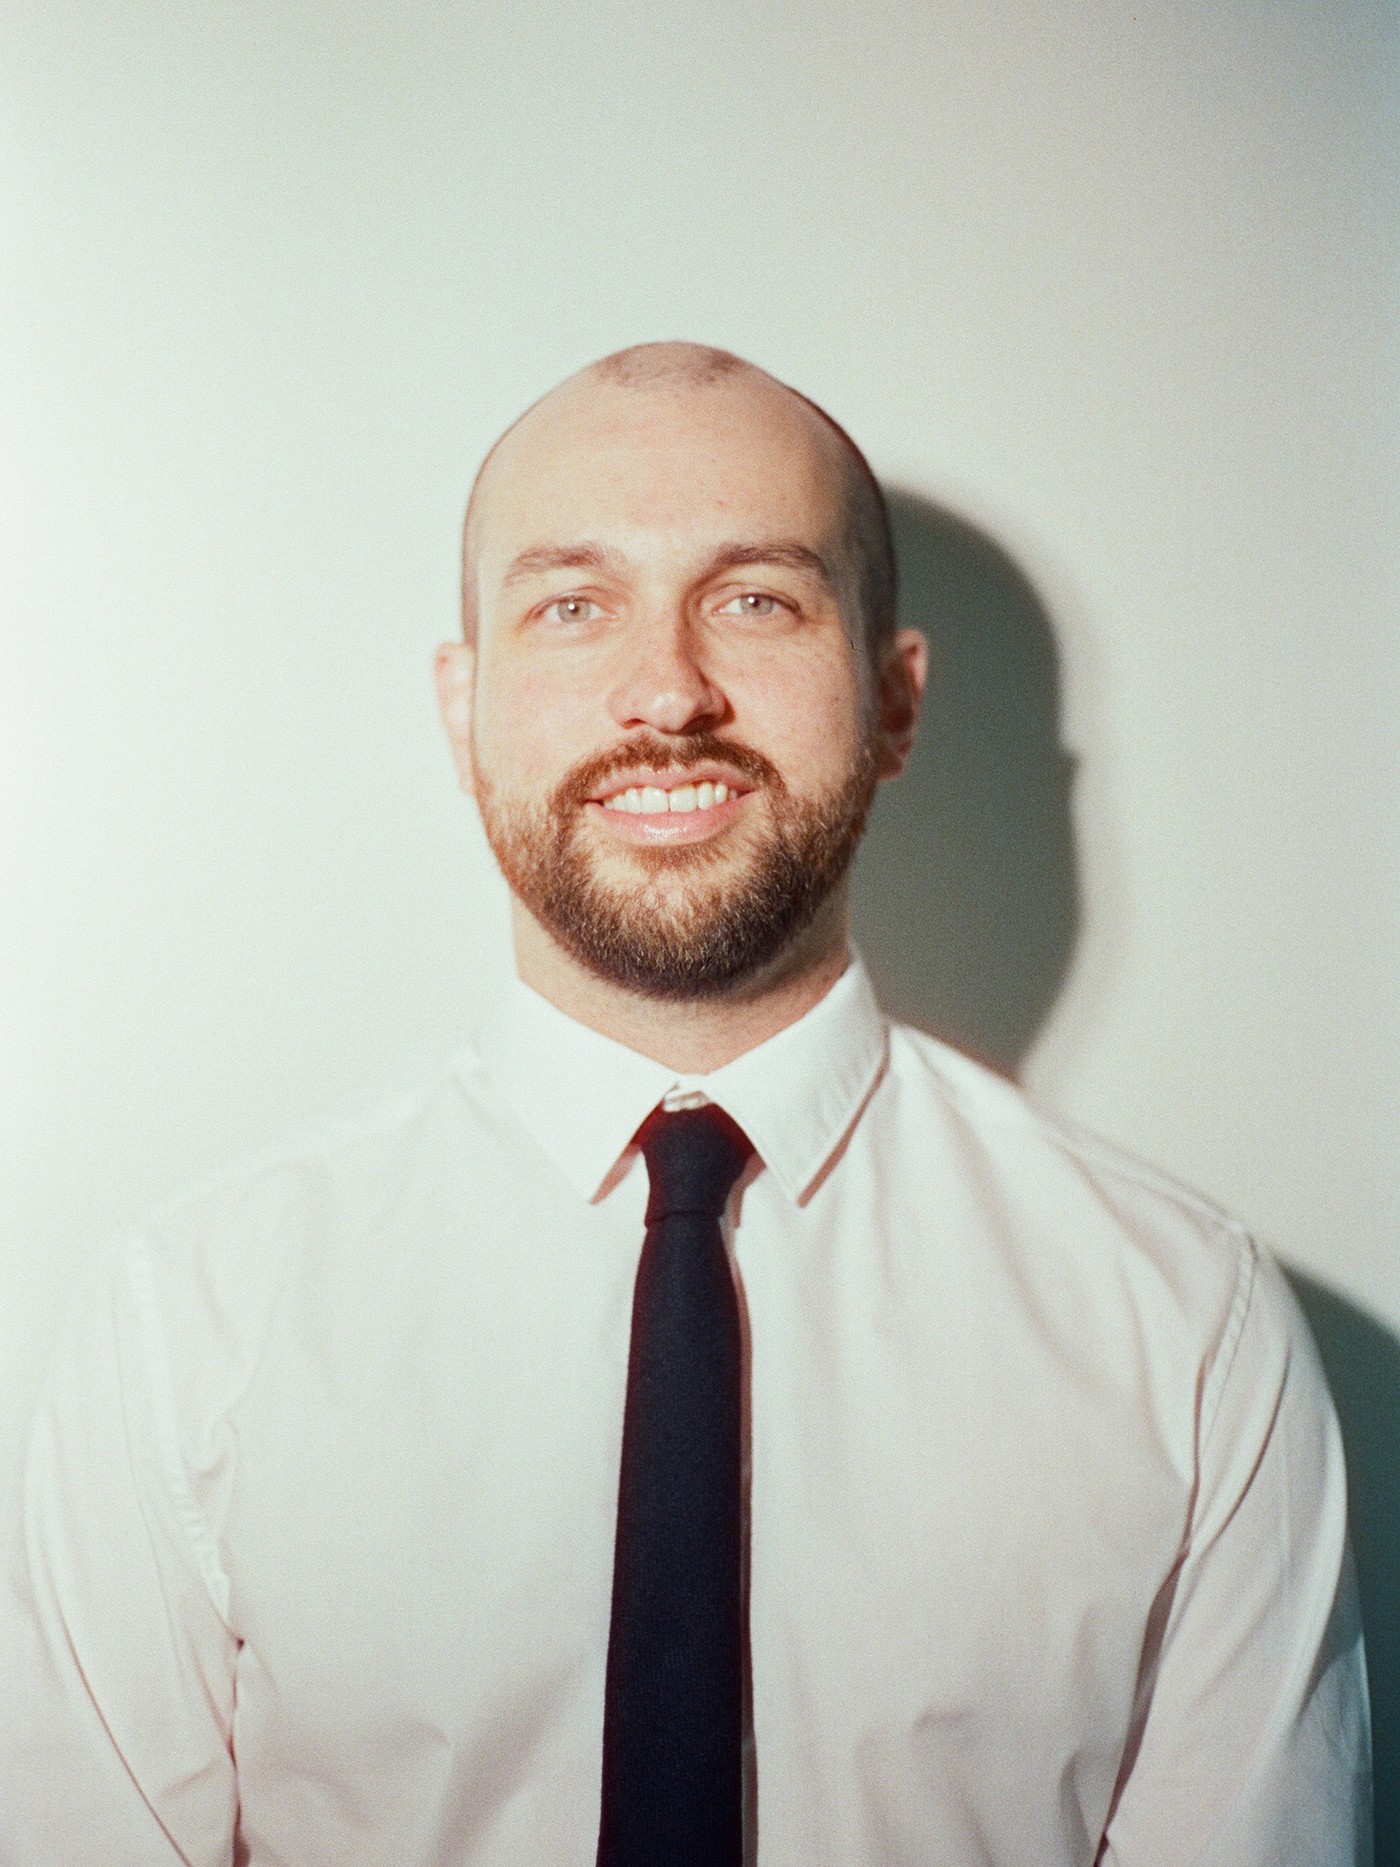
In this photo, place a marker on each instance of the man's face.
(672, 735)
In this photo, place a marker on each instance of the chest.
(958, 1525)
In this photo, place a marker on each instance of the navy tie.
(674, 1709)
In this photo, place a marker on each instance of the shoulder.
(209, 1267)
(1012, 1126)
(1113, 1233)
(437, 1092)
(1121, 1264)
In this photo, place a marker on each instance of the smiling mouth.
(651, 800)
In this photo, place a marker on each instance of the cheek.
(528, 720)
(810, 720)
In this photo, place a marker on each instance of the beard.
(686, 925)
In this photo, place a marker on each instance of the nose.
(664, 683)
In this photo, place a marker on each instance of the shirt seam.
(169, 1461)
(1225, 1355)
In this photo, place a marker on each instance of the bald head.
(694, 388)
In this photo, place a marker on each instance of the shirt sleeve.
(1253, 1745)
(116, 1659)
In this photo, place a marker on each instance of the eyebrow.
(778, 551)
(539, 558)
(787, 553)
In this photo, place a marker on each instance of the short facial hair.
(697, 943)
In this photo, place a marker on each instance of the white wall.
(1114, 282)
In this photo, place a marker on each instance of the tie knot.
(693, 1158)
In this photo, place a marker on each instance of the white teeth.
(651, 800)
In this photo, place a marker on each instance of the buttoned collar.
(583, 1096)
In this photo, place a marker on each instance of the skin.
(610, 613)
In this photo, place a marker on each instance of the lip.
(667, 828)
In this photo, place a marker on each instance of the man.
(935, 1485)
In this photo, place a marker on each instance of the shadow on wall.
(967, 910)
(966, 905)
(1363, 1368)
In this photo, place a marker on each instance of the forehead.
(648, 470)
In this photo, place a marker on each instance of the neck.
(691, 1036)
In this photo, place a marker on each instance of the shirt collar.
(583, 1096)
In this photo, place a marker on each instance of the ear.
(899, 694)
(454, 666)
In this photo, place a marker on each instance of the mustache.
(660, 755)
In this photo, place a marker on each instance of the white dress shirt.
(1048, 1550)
